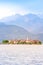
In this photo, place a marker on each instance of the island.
(21, 42)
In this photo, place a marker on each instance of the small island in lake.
(21, 42)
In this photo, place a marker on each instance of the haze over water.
(21, 54)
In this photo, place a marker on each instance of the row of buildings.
(25, 41)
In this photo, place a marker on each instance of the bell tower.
(27, 39)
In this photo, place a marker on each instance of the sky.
(12, 7)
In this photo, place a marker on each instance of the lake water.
(21, 54)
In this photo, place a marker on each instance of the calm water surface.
(21, 54)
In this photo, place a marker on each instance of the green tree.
(40, 42)
(5, 41)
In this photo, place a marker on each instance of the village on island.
(27, 41)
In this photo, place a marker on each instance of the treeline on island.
(21, 42)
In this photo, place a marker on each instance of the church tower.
(27, 39)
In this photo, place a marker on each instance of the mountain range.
(30, 22)
(11, 32)
(21, 26)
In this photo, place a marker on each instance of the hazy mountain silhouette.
(31, 22)
(13, 32)
(1, 23)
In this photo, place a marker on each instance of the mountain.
(1, 23)
(13, 32)
(31, 22)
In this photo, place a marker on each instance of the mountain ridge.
(32, 23)
(13, 32)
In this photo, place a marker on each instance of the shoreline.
(23, 44)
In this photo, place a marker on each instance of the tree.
(5, 41)
(40, 42)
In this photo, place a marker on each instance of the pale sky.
(12, 7)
